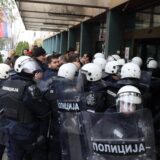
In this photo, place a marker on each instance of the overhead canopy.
(59, 15)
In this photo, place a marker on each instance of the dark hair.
(49, 58)
(13, 60)
(90, 57)
(57, 54)
(73, 58)
(38, 52)
(26, 49)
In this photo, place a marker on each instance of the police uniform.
(25, 110)
(132, 129)
(53, 136)
(112, 89)
(155, 108)
(3, 135)
(68, 93)
(95, 96)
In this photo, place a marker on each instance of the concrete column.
(115, 29)
(54, 43)
(88, 38)
(50, 45)
(64, 40)
(47, 49)
(58, 42)
(71, 38)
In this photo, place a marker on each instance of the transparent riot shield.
(117, 136)
(69, 106)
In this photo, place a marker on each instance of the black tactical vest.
(11, 100)
(95, 97)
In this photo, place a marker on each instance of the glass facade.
(148, 18)
(156, 16)
(143, 19)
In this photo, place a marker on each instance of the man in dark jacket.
(53, 66)
(39, 54)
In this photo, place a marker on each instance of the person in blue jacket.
(52, 67)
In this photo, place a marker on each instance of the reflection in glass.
(156, 16)
(143, 19)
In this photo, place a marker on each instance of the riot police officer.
(94, 88)
(152, 66)
(137, 60)
(113, 57)
(53, 94)
(24, 109)
(126, 133)
(131, 75)
(4, 74)
(101, 62)
(121, 62)
(98, 55)
(128, 99)
(112, 68)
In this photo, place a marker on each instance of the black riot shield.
(69, 105)
(117, 136)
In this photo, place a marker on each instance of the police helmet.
(4, 71)
(152, 64)
(112, 67)
(121, 61)
(26, 64)
(99, 55)
(67, 70)
(113, 57)
(100, 62)
(148, 59)
(137, 60)
(128, 99)
(92, 72)
(130, 70)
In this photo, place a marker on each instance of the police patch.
(90, 99)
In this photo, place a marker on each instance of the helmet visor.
(128, 102)
(30, 66)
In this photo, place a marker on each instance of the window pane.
(143, 19)
(156, 16)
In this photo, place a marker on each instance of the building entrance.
(147, 48)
